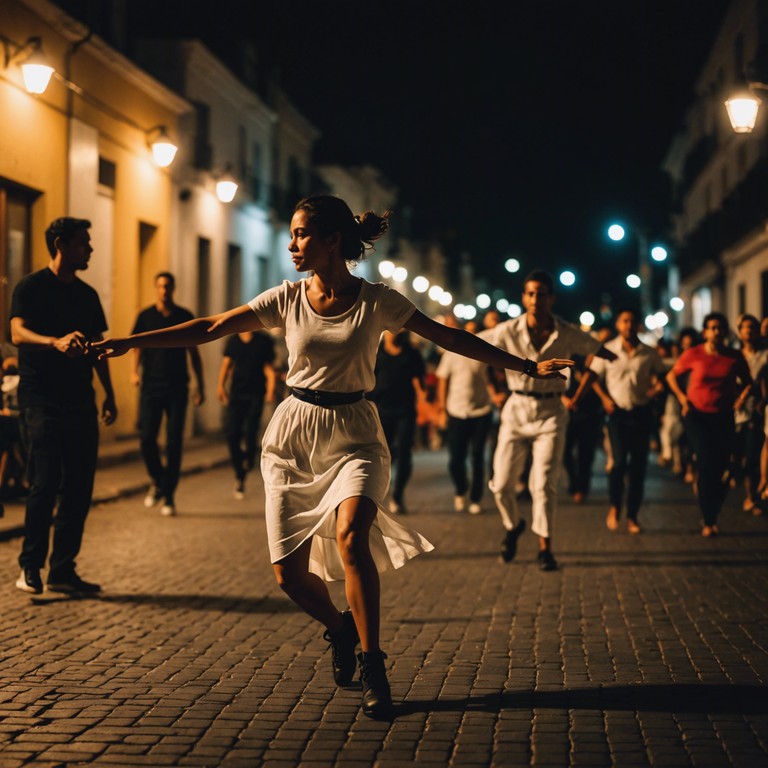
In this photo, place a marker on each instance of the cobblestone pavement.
(641, 650)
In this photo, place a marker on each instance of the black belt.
(535, 395)
(325, 399)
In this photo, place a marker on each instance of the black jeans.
(61, 447)
(153, 406)
(468, 437)
(629, 433)
(242, 428)
(581, 440)
(400, 430)
(711, 436)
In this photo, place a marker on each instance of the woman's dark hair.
(717, 317)
(331, 214)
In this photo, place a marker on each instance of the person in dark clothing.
(248, 359)
(164, 379)
(399, 380)
(582, 436)
(54, 318)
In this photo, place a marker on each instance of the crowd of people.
(367, 378)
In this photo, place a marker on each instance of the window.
(738, 56)
(256, 171)
(203, 275)
(234, 276)
(203, 151)
(242, 152)
(262, 263)
(742, 298)
(107, 173)
(15, 243)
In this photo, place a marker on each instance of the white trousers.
(537, 426)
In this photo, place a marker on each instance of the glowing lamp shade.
(742, 112)
(226, 189)
(36, 75)
(164, 150)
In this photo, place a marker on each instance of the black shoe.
(547, 561)
(30, 581)
(73, 584)
(509, 544)
(377, 697)
(343, 642)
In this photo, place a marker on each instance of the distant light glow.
(386, 268)
(567, 277)
(435, 292)
(677, 304)
(661, 319)
(445, 299)
(458, 310)
(633, 281)
(587, 319)
(742, 112)
(616, 232)
(659, 253)
(502, 305)
(651, 323)
(400, 275)
(420, 284)
(470, 312)
(514, 310)
(483, 301)
(36, 76)
(512, 265)
(226, 189)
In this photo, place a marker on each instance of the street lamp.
(743, 107)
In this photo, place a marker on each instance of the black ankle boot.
(377, 698)
(343, 643)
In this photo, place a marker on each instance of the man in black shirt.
(54, 317)
(248, 358)
(399, 377)
(164, 379)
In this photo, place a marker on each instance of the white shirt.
(468, 395)
(333, 354)
(565, 341)
(629, 377)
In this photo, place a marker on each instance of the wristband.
(530, 368)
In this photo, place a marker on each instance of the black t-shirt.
(51, 307)
(394, 392)
(162, 370)
(249, 360)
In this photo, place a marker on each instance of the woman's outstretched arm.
(469, 345)
(198, 331)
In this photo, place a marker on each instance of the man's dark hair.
(720, 318)
(168, 275)
(540, 276)
(63, 228)
(634, 311)
(747, 318)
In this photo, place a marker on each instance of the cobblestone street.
(640, 650)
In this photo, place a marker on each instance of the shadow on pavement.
(699, 698)
(190, 602)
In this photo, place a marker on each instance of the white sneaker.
(475, 508)
(459, 502)
(240, 490)
(153, 496)
(168, 510)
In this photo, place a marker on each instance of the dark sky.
(510, 127)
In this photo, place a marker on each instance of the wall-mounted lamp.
(226, 186)
(34, 67)
(743, 107)
(163, 149)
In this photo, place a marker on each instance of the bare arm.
(197, 367)
(108, 408)
(468, 345)
(677, 391)
(201, 330)
(605, 398)
(224, 371)
(72, 345)
(271, 376)
(135, 367)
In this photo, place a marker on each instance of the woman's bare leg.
(306, 589)
(354, 519)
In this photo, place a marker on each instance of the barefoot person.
(324, 457)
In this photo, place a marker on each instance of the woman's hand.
(111, 347)
(548, 369)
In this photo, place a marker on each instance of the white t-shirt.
(565, 341)
(333, 354)
(468, 395)
(628, 378)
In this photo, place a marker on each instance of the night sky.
(516, 128)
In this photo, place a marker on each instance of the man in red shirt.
(719, 383)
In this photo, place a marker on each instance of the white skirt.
(313, 458)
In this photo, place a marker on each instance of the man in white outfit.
(535, 416)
